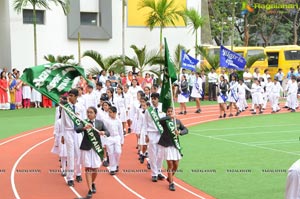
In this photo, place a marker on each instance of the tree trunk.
(246, 31)
(295, 28)
(196, 43)
(34, 36)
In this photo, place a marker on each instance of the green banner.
(155, 119)
(52, 80)
(175, 138)
(97, 146)
(169, 75)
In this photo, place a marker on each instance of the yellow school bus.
(282, 57)
(245, 52)
(250, 51)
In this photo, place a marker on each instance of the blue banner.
(188, 62)
(230, 59)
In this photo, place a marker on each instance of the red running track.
(29, 171)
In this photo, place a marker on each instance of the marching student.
(59, 148)
(241, 89)
(89, 157)
(292, 92)
(153, 133)
(142, 138)
(257, 99)
(222, 96)
(102, 114)
(128, 99)
(197, 92)
(275, 94)
(71, 138)
(90, 98)
(115, 141)
(121, 105)
(267, 94)
(233, 96)
(184, 94)
(167, 146)
(80, 99)
(110, 93)
(135, 107)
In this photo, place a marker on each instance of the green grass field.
(240, 158)
(17, 121)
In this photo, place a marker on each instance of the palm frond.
(251, 60)
(50, 58)
(19, 4)
(96, 57)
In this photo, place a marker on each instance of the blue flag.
(230, 59)
(188, 62)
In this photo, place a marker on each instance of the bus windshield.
(251, 53)
(292, 54)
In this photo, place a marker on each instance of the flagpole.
(72, 113)
(172, 100)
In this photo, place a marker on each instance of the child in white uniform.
(275, 94)
(115, 142)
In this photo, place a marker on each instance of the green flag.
(169, 75)
(52, 80)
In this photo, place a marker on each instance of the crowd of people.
(113, 107)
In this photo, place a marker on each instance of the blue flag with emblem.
(188, 62)
(230, 59)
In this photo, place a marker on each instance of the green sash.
(97, 146)
(155, 119)
(175, 138)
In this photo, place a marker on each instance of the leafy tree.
(110, 63)
(193, 19)
(60, 59)
(142, 59)
(162, 13)
(20, 4)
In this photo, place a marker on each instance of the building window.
(28, 16)
(88, 18)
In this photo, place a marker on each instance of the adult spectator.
(212, 83)
(247, 76)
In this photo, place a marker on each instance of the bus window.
(292, 54)
(272, 59)
(241, 53)
(251, 53)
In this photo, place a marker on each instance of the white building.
(57, 33)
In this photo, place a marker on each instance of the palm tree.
(213, 60)
(60, 59)
(162, 14)
(193, 19)
(142, 59)
(20, 4)
(110, 63)
(177, 56)
(251, 60)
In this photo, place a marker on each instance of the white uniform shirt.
(115, 128)
(90, 99)
(247, 75)
(212, 77)
(150, 125)
(293, 182)
(66, 122)
(133, 91)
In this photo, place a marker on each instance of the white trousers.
(73, 141)
(274, 101)
(153, 151)
(114, 150)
